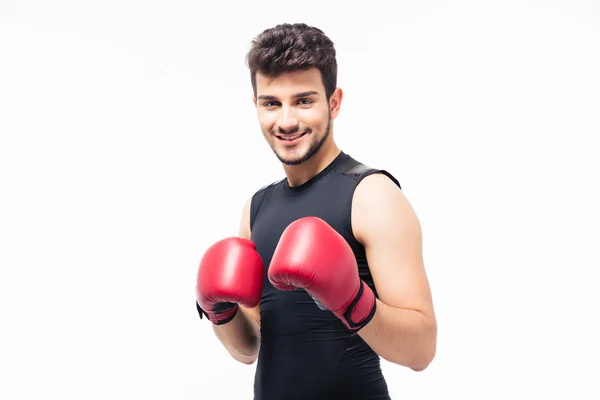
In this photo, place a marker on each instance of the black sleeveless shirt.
(307, 353)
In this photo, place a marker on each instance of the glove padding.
(231, 272)
(313, 256)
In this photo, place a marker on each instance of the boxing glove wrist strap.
(361, 310)
(221, 313)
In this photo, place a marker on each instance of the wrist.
(362, 309)
(221, 313)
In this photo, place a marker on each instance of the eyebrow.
(296, 95)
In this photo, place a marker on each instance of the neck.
(299, 174)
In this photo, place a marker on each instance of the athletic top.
(307, 353)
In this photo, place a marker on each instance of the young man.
(327, 273)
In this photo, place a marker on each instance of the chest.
(278, 211)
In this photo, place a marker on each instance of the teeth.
(291, 137)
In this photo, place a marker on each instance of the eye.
(305, 102)
(270, 104)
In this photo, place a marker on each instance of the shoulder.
(380, 207)
(378, 182)
(359, 171)
(378, 188)
(259, 194)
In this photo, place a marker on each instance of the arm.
(404, 328)
(241, 336)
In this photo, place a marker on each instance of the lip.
(290, 142)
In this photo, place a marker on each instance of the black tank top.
(307, 353)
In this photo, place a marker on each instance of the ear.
(254, 100)
(335, 102)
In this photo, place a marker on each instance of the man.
(327, 273)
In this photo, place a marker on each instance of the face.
(294, 114)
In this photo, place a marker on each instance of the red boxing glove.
(231, 272)
(313, 256)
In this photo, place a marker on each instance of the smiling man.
(327, 273)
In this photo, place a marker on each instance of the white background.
(129, 143)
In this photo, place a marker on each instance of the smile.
(290, 138)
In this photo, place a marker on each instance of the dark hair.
(292, 47)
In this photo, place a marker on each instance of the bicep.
(387, 226)
(244, 228)
(245, 232)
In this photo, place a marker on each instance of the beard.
(312, 149)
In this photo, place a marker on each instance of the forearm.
(401, 336)
(240, 336)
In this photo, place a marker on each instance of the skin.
(404, 328)
(281, 111)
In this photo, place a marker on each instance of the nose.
(287, 121)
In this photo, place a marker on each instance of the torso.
(308, 353)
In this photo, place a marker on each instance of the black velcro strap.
(348, 313)
(217, 309)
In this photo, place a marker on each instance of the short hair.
(291, 47)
